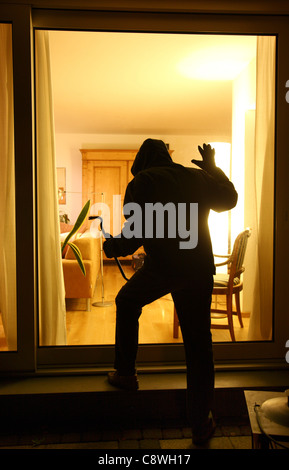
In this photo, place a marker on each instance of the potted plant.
(76, 251)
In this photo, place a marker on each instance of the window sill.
(85, 399)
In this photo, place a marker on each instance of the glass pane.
(8, 319)
(111, 92)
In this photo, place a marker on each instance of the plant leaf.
(78, 256)
(81, 218)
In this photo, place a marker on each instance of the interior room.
(113, 90)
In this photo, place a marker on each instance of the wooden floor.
(98, 326)
(156, 321)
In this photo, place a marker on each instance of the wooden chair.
(227, 284)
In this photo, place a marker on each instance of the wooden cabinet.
(105, 175)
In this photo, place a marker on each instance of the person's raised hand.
(208, 155)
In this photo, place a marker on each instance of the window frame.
(229, 355)
(24, 359)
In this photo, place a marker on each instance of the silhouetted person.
(178, 261)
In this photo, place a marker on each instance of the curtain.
(52, 311)
(260, 327)
(7, 192)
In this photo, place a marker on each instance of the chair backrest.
(238, 254)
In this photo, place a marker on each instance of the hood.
(151, 153)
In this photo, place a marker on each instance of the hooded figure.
(174, 202)
(152, 153)
(172, 205)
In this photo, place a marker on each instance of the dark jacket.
(157, 179)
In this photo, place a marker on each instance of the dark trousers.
(192, 299)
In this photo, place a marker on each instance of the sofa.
(78, 286)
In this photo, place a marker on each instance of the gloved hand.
(208, 155)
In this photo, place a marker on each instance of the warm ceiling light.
(211, 67)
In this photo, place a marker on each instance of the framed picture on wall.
(61, 185)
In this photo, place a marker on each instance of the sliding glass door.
(90, 97)
(8, 311)
(89, 106)
(17, 257)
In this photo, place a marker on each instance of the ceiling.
(140, 83)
